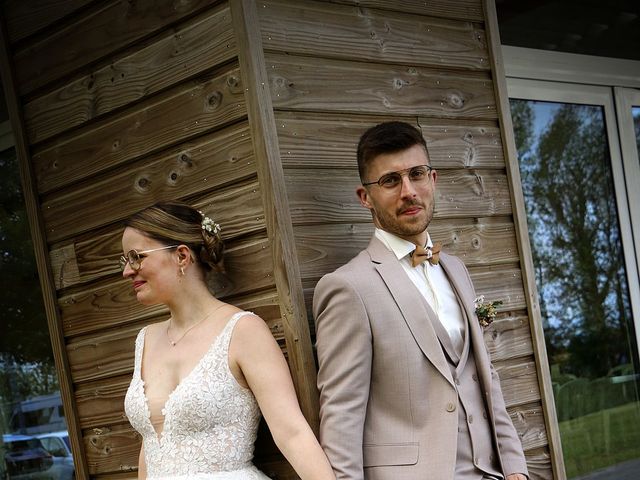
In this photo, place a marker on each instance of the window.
(582, 216)
(30, 403)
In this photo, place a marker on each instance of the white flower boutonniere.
(486, 311)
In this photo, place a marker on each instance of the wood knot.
(215, 99)
(280, 86)
(455, 100)
(173, 177)
(186, 159)
(398, 83)
(142, 184)
(470, 155)
(233, 81)
(475, 242)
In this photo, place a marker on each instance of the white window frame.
(625, 100)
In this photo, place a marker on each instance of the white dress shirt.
(433, 284)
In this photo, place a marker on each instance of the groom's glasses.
(134, 258)
(419, 175)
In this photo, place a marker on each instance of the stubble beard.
(408, 227)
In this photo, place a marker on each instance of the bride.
(202, 378)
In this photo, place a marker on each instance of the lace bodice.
(210, 421)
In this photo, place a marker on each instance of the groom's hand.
(516, 476)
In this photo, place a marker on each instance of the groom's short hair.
(386, 137)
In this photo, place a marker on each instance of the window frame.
(569, 78)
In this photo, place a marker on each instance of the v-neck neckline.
(164, 411)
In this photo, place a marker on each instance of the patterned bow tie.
(420, 254)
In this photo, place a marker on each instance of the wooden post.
(276, 206)
(522, 235)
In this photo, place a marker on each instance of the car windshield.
(21, 445)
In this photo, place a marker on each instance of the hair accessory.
(209, 225)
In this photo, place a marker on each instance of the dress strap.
(137, 363)
(227, 331)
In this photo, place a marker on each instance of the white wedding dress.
(210, 421)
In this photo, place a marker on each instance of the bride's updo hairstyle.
(173, 223)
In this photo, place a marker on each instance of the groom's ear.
(363, 196)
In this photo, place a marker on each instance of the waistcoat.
(476, 453)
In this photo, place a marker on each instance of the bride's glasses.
(134, 258)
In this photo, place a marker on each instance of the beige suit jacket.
(386, 389)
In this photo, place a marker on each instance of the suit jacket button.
(470, 418)
(475, 377)
(451, 407)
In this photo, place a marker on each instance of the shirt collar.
(399, 246)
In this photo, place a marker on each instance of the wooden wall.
(122, 104)
(336, 68)
(250, 111)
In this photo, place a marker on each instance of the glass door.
(33, 429)
(582, 243)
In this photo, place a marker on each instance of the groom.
(407, 390)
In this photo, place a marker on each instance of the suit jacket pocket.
(390, 454)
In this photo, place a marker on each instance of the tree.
(575, 236)
(25, 336)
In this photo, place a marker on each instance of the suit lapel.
(418, 318)
(464, 291)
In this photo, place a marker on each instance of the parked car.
(26, 458)
(58, 445)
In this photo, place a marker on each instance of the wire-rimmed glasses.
(134, 258)
(420, 174)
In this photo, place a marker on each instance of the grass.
(600, 439)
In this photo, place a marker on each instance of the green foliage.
(601, 439)
(575, 236)
(522, 116)
(20, 381)
(24, 333)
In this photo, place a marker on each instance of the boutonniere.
(486, 311)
